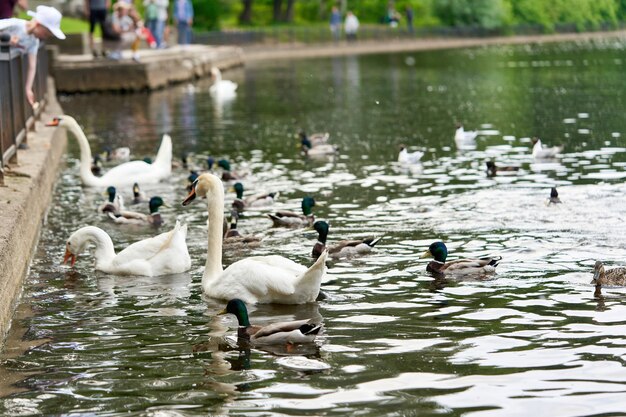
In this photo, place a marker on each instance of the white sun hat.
(50, 18)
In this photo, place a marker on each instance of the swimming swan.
(258, 279)
(122, 175)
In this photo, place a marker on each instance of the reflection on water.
(396, 340)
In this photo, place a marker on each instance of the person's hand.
(30, 96)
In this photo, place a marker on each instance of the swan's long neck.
(85, 153)
(104, 253)
(213, 269)
(218, 76)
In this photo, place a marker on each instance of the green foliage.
(208, 12)
(489, 14)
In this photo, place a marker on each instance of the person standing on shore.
(409, 19)
(335, 23)
(351, 26)
(162, 15)
(183, 17)
(25, 36)
(7, 7)
(96, 12)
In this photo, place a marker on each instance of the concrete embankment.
(154, 70)
(24, 202)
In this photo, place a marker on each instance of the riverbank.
(295, 51)
(24, 203)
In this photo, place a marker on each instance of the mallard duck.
(439, 251)
(345, 248)
(286, 218)
(615, 276)
(258, 200)
(321, 149)
(315, 139)
(409, 158)
(133, 217)
(493, 169)
(96, 166)
(227, 174)
(160, 255)
(114, 203)
(258, 279)
(539, 152)
(124, 174)
(554, 197)
(463, 139)
(299, 331)
(232, 237)
(222, 89)
(138, 195)
(117, 154)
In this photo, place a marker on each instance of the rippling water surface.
(531, 339)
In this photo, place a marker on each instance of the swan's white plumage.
(127, 173)
(463, 139)
(539, 152)
(259, 279)
(406, 157)
(222, 89)
(159, 255)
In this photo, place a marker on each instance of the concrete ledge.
(156, 69)
(23, 206)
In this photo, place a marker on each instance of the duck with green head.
(133, 217)
(232, 237)
(614, 277)
(227, 174)
(287, 218)
(114, 203)
(259, 200)
(343, 249)
(439, 252)
(292, 332)
(138, 195)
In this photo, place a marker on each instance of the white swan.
(259, 279)
(539, 152)
(222, 89)
(160, 255)
(124, 174)
(463, 139)
(404, 157)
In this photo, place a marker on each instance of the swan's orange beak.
(69, 255)
(54, 122)
(190, 197)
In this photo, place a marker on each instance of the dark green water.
(532, 339)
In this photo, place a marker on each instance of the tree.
(245, 17)
(288, 16)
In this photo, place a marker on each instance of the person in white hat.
(25, 36)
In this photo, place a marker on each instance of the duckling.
(554, 197)
(463, 139)
(293, 219)
(300, 331)
(439, 251)
(615, 276)
(114, 204)
(133, 217)
(539, 152)
(321, 149)
(233, 237)
(345, 248)
(138, 195)
(409, 158)
(258, 200)
(493, 170)
(315, 139)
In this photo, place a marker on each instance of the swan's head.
(61, 121)
(238, 189)
(206, 185)
(238, 308)
(216, 74)
(598, 274)
(437, 250)
(74, 246)
(403, 147)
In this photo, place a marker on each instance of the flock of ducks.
(256, 279)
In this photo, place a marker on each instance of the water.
(529, 339)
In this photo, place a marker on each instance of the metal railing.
(321, 34)
(17, 116)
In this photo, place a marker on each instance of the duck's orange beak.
(190, 197)
(54, 122)
(69, 256)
